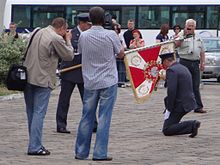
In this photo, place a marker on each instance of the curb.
(11, 97)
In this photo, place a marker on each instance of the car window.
(212, 45)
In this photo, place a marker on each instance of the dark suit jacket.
(180, 96)
(76, 74)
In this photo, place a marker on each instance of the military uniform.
(179, 101)
(189, 53)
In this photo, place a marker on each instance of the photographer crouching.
(99, 48)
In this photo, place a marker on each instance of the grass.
(4, 91)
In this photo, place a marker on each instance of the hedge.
(11, 52)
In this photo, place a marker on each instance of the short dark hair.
(130, 20)
(170, 58)
(176, 26)
(59, 22)
(114, 16)
(13, 23)
(97, 15)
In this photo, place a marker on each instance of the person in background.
(114, 20)
(163, 35)
(120, 61)
(137, 42)
(99, 48)
(176, 30)
(180, 99)
(71, 78)
(192, 55)
(48, 45)
(128, 36)
(12, 32)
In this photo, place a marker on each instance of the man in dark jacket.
(128, 36)
(71, 78)
(180, 99)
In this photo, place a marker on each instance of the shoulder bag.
(17, 75)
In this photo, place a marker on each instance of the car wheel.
(218, 79)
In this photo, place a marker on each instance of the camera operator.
(192, 55)
(99, 48)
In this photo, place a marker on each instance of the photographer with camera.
(49, 44)
(192, 55)
(99, 48)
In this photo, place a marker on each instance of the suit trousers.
(173, 126)
(193, 67)
(67, 88)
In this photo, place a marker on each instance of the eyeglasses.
(177, 29)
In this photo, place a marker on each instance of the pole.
(69, 68)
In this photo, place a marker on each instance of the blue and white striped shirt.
(99, 47)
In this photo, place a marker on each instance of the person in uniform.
(192, 55)
(71, 78)
(180, 98)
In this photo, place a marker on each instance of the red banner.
(143, 67)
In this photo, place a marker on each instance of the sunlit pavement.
(135, 136)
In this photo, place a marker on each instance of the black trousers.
(67, 88)
(173, 126)
(193, 67)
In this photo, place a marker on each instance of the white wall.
(2, 9)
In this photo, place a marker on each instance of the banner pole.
(69, 68)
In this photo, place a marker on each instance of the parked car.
(212, 58)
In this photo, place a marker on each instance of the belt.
(187, 60)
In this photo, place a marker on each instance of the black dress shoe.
(42, 152)
(63, 130)
(199, 111)
(195, 129)
(104, 159)
(79, 158)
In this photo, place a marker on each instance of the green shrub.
(11, 52)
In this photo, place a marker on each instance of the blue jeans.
(36, 99)
(106, 98)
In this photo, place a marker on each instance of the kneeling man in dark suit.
(179, 100)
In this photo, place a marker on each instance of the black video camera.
(108, 21)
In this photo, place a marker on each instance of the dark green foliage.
(11, 51)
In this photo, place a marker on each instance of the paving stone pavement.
(135, 136)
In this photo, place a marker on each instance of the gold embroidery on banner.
(136, 60)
